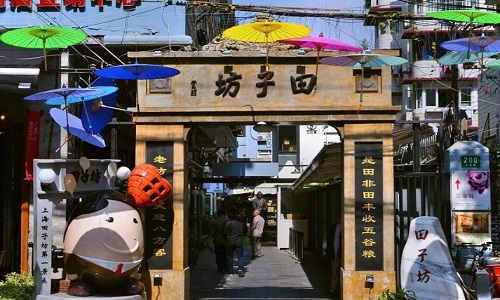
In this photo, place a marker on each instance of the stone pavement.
(276, 275)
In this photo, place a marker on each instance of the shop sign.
(160, 218)
(369, 224)
(302, 84)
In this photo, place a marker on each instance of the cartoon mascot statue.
(104, 238)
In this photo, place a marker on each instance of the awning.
(267, 188)
(325, 167)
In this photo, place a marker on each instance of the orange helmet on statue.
(147, 187)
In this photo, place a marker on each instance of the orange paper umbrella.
(266, 32)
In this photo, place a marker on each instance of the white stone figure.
(426, 265)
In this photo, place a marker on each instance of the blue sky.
(349, 31)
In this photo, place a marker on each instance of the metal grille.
(419, 194)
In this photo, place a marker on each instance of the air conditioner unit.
(409, 116)
(434, 115)
(471, 65)
(420, 116)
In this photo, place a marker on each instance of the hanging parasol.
(364, 60)
(494, 65)
(320, 43)
(96, 114)
(475, 44)
(470, 16)
(458, 57)
(137, 71)
(65, 96)
(73, 125)
(266, 32)
(43, 37)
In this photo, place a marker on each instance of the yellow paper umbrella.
(266, 32)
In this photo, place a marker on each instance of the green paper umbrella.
(468, 16)
(43, 37)
(471, 16)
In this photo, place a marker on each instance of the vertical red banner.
(32, 142)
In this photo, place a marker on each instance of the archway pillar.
(175, 277)
(368, 205)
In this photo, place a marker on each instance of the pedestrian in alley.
(260, 203)
(219, 241)
(255, 232)
(233, 231)
(334, 251)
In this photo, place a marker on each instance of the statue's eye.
(109, 219)
(135, 220)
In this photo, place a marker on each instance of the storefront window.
(287, 138)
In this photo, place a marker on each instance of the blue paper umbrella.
(475, 44)
(137, 71)
(70, 95)
(73, 125)
(96, 114)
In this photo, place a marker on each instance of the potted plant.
(399, 294)
(17, 287)
(196, 246)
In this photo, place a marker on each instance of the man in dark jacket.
(334, 251)
(233, 231)
(219, 241)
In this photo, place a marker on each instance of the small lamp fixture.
(227, 53)
(369, 281)
(46, 177)
(262, 127)
(123, 173)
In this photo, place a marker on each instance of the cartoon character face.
(111, 232)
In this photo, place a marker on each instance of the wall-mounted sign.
(470, 161)
(160, 218)
(369, 185)
(471, 227)
(470, 190)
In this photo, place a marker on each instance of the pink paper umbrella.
(321, 43)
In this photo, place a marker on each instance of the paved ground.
(276, 275)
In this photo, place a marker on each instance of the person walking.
(233, 231)
(334, 251)
(219, 241)
(255, 232)
(260, 203)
